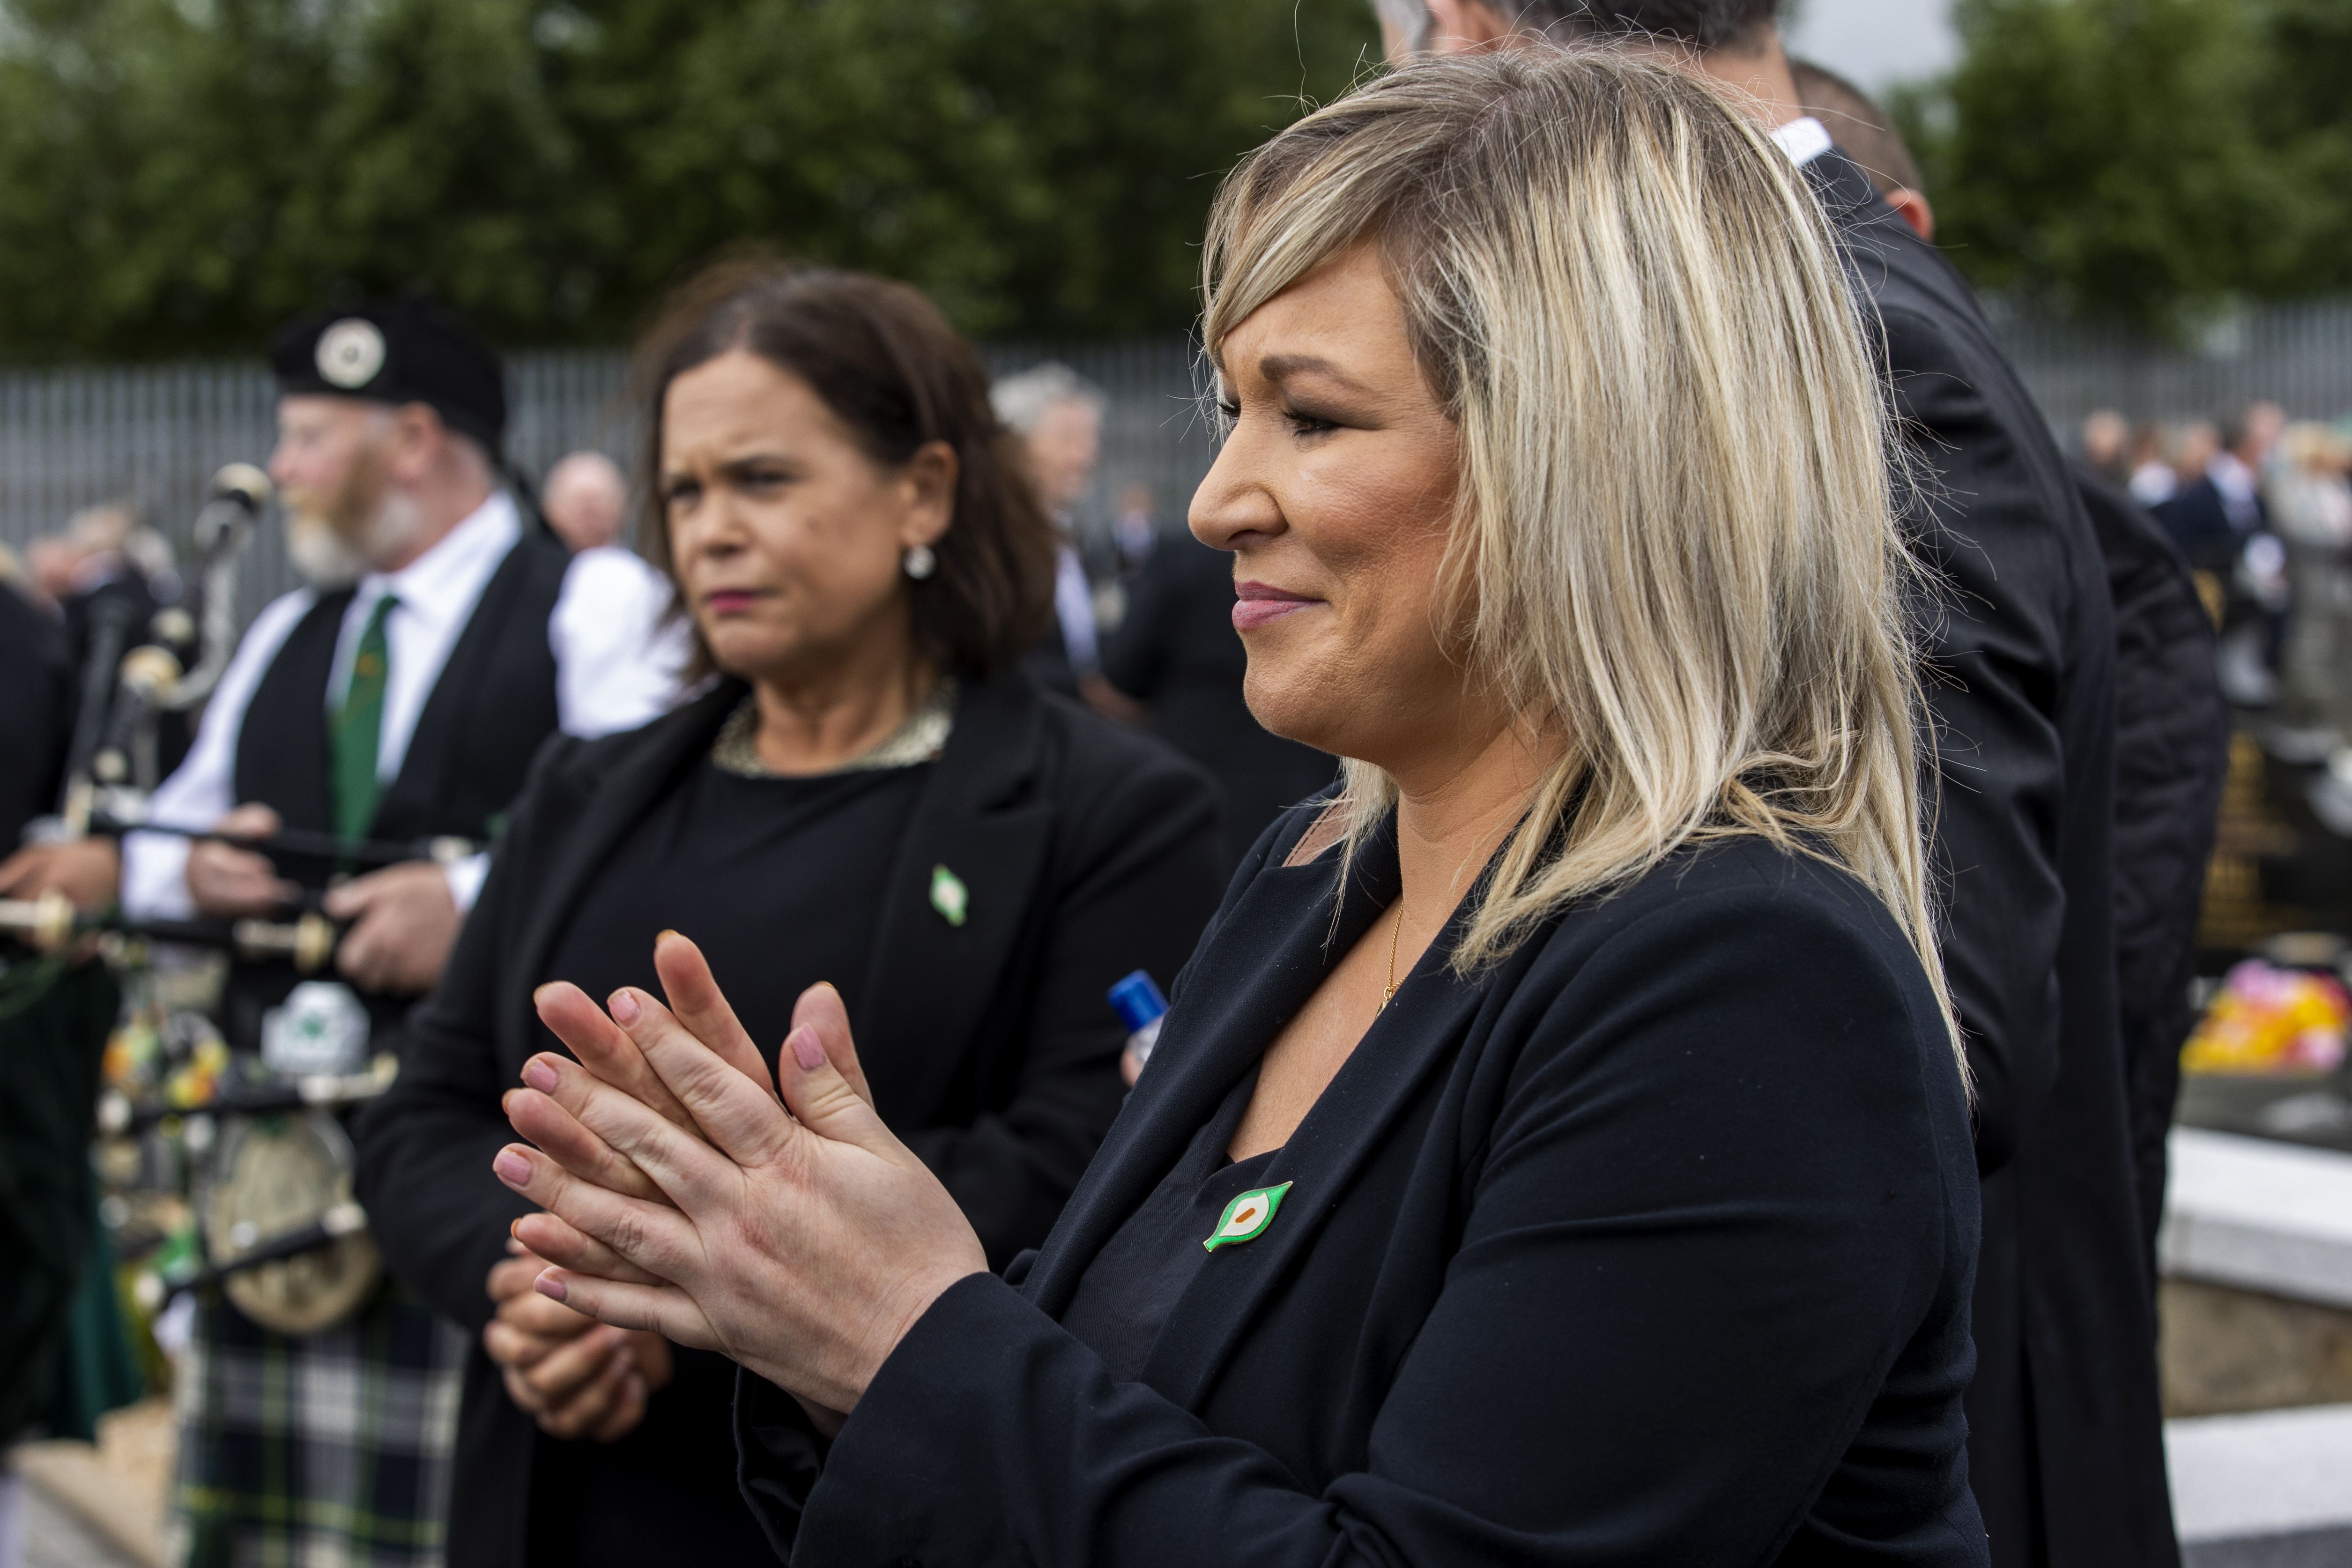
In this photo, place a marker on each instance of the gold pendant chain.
(1398, 931)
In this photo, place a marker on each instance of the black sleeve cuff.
(778, 1456)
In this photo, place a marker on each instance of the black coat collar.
(1268, 952)
(979, 816)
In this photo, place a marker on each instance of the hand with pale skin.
(87, 871)
(404, 921)
(799, 1238)
(229, 882)
(576, 1379)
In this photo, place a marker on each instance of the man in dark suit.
(2066, 1435)
(2212, 519)
(2172, 725)
(2222, 522)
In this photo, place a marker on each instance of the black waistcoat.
(490, 710)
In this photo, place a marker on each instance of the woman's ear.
(929, 484)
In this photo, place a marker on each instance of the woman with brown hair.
(869, 795)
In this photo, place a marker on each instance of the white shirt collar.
(442, 583)
(1803, 140)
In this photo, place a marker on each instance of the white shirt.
(2240, 491)
(2153, 483)
(1074, 606)
(617, 666)
(1803, 140)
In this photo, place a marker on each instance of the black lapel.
(646, 772)
(1415, 1036)
(985, 816)
(1264, 959)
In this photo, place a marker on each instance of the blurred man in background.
(2220, 505)
(397, 701)
(2221, 519)
(2065, 1442)
(2106, 446)
(1864, 132)
(585, 500)
(1058, 415)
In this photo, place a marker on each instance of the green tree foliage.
(176, 175)
(2144, 160)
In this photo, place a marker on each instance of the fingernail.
(550, 1287)
(807, 1049)
(663, 935)
(540, 1073)
(511, 1167)
(624, 1007)
(508, 1096)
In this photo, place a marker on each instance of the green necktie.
(351, 739)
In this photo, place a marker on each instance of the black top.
(1128, 1292)
(1653, 1244)
(1086, 851)
(2066, 1452)
(735, 864)
(1176, 649)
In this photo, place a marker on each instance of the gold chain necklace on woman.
(1394, 933)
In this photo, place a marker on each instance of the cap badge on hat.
(351, 352)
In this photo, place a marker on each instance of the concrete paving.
(2267, 1490)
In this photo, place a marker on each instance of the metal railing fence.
(152, 434)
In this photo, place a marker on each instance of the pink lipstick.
(1256, 604)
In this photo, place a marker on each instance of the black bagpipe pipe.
(324, 846)
(50, 924)
(343, 1220)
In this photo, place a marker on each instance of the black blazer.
(2065, 1428)
(2172, 757)
(991, 1049)
(1654, 1245)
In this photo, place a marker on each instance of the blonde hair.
(1675, 540)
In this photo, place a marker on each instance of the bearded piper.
(444, 635)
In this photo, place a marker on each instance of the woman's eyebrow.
(1280, 367)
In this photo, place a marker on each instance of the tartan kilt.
(331, 1450)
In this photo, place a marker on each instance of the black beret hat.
(405, 351)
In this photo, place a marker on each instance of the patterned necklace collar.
(920, 739)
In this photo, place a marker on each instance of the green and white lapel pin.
(1246, 1217)
(949, 896)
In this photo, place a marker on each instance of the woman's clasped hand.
(683, 1195)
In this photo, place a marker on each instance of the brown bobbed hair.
(885, 360)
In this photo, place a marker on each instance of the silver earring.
(921, 563)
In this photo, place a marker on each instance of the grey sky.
(1877, 43)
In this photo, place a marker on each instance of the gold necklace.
(1394, 932)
